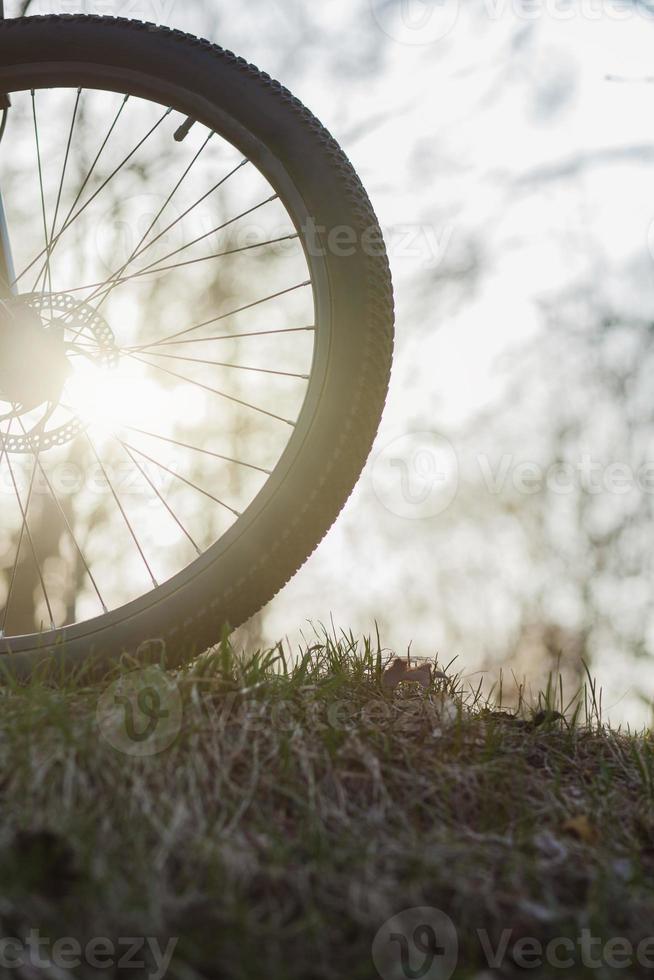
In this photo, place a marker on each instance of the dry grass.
(298, 809)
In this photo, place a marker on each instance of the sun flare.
(114, 397)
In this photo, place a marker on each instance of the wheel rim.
(76, 313)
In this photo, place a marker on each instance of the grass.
(299, 808)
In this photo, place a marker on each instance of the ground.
(246, 819)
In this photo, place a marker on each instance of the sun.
(115, 397)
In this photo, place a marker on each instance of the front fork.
(7, 273)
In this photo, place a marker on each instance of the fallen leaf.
(581, 828)
(400, 670)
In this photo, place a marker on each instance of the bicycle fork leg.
(7, 273)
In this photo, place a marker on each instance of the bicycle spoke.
(149, 271)
(67, 224)
(163, 207)
(121, 509)
(224, 316)
(24, 530)
(217, 255)
(48, 277)
(197, 449)
(207, 234)
(69, 528)
(191, 208)
(214, 391)
(178, 476)
(159, 495)
(234, 367)
(84, 183)
(225, 336)
(172, 225)
(79, 332)
(4, 453)
(63, 176)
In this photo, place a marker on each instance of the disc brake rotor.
(57, 325)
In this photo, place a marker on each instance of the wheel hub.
(33, 362)
(40, 334)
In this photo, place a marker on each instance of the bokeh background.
(505, 516)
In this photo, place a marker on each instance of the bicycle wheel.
(199, 345)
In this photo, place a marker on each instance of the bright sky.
(472, 126)
(474, 145)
